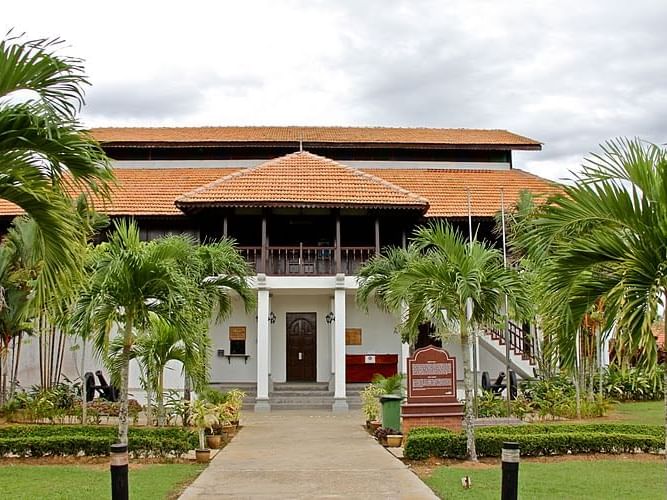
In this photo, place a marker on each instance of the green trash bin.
(391, 411)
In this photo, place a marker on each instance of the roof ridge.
(356, 171)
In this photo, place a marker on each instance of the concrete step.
(310, 399)
(301, 387)
(302, 394)
(279, 407)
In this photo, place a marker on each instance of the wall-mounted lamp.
(330, 318)
(272, 317)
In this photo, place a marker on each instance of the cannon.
(106, 391)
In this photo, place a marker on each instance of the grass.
(572, 479)
(642, 412)
(92, 481)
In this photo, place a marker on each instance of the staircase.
(522, 349)
(301, 396)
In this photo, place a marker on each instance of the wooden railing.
(521, 344)
(307, 260)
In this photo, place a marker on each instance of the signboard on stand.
(431, 391)
(431, 376)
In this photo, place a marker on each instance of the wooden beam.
(377, 235)
(339, 262)
(264, 249)
(224, 226)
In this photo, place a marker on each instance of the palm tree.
(129, 281)
(163, 342)
(455, 285)
(134, 283)
(45, 156)
(607, 236)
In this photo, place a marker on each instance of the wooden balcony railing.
(307, 260)
(521, 343)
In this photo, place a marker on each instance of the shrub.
(40, 440)
(540, 440)
(632, 383)
(370, 404)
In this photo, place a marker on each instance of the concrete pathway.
(301, 454)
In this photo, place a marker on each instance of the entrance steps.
(295, 395)
(301, 396)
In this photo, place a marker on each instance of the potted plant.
(235, 399)
(370, 404)
(394, 438)
(204, 417)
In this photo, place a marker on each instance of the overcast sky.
(568, 73)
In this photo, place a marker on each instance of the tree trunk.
(149, 404)
(84, 402)
(466, 346)
(577, 371)
(160, 398)
(664, 388)
(187, 395)
(125, 368)
(15, 370)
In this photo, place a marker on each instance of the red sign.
(431, 376)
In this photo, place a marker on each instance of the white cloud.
(569, 73)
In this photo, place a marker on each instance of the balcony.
(307, 260)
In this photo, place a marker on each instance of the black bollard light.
(510, 466)
(119, 467)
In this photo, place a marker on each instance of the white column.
(263, 309)
(405, 354)
(332, 346)
(405, 346)
(340, 401)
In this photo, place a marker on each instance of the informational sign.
(369, 359)
(431, 376)
(237, 333)
(353, 336)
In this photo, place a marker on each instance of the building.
(307, 207)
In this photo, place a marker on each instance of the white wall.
(235, 369)
(377, 330)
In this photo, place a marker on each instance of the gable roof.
(302, 179)
(350, 136)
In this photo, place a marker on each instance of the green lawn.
(597, 479)
(83, 482)
(644, 412)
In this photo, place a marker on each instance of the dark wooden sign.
(237, 333)
(353, 336)
(431, 376)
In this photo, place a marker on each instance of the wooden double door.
(301, 347)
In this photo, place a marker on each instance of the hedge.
(40, 440)
(539, 440)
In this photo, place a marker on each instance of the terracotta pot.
(394, 440)
(203, 456)
(213, 441)
(375, 425)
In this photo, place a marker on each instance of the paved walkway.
(290, 454)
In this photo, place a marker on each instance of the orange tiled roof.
(446, 190)
(352, 135)
(302, 179)
(146, 191)
(153, 191)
